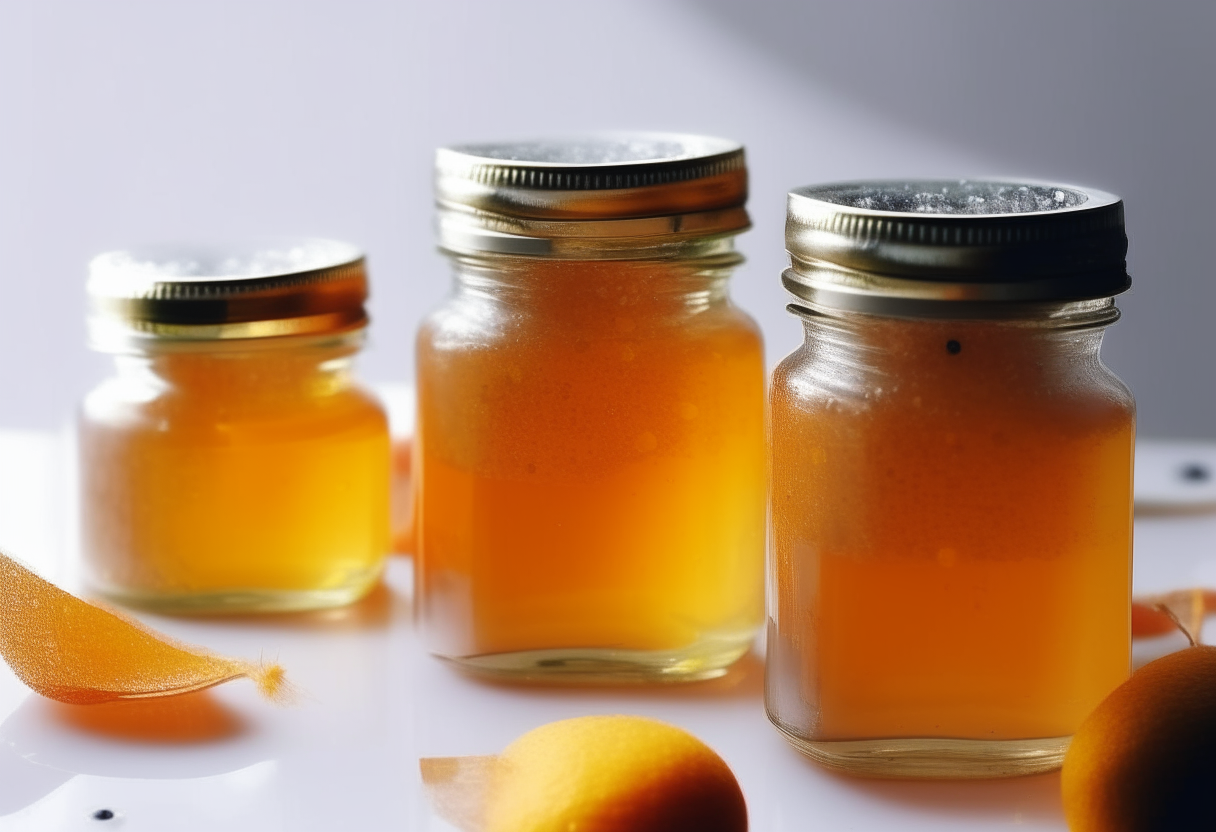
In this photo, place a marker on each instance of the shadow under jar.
(232, 463)
(951, 477)
(590, 459)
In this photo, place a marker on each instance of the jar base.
(706, 659)
(241, 601)
(935, 758)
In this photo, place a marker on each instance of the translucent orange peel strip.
(1188, 607)
(72, 651)
(458, 788)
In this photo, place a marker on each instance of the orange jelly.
(591, 465)
(971, 528)
(237, 473)
(951, 525)
(592, 481)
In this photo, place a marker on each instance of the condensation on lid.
(896, 245)
(607, 149)
(956, 197)
(140, 269)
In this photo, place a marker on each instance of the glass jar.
(232, 464)
(590, 439)
(951, 477)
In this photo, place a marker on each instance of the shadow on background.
(1030, 800)
(1107, 93)
(44, 744)
(187, 718)
(1021, 799)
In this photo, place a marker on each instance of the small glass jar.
(590, 440)
(232, 464)
(951, 477)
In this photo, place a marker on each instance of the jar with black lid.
(951, 477)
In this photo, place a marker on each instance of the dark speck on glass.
(1194, 472)
(953, 347)
(103, 814)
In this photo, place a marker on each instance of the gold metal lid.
(550, 198)
(930, 246)
(201, 293)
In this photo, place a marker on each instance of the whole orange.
(1145, 759)
(613, 774)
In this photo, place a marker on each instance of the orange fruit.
(1145, 759)
(613, 773)
(1148, 621)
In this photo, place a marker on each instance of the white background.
(132, 121)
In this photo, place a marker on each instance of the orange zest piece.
(457, 788)
(403, 496)
(73, 651)
(1148, 621)
(1185, 609)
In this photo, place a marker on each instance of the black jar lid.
(908, 246)
(554, 197)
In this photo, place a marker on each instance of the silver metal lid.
(208, 293)
(550, 198)
(894, 247)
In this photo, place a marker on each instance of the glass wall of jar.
(232, 463)
(590, 457)
(951, 477)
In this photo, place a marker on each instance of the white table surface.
(369, 703)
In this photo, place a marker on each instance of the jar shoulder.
(459, 325)
(1077, 388)
(1108, 381)
(132, 405)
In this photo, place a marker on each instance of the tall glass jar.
(231, 463)
(951, 477)
(590, 441)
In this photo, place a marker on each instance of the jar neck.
(251, 368)
(687, 282)
(1020, 337)
(673, 245)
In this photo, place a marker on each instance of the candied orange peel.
(79, 653)
(1182, 609)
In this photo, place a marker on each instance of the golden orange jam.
(231, 463)
(233, 475)
(951, 475)
(952, 550)
(591, 467)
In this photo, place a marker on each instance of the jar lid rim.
(207, 292)
(949, 240)
(615, 151)
(608, 186)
